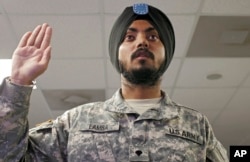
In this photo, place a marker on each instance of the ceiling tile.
(195, 71)
(246, 140)
(73, 36)
(7, 40)
(51, 7)
(67, 99)
(169, 77)
(183, 26)
(232, 125)
(247, 82)
(113, 77)
(210, 31)
(73, 74)
(203, 98)
(5, 68)
(230, 135)
(167, 6)
(241, 100)
(226, 7)
(108, 24)
(233, 118)
(39, 110)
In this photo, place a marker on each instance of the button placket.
(138, 150)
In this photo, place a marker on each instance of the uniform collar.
(167, 109)
(118, 105)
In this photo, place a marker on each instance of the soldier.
(139, 123)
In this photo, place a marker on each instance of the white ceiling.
(80, 58)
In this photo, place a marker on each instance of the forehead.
(140, 25)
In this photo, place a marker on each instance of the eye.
(129, 38)
(153, 37)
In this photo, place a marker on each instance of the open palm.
(32, 55)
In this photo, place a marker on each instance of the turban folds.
(142, 12)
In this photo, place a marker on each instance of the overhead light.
(214, 76)
(233, 36)
(5, 68)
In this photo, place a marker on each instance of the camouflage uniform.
(106, 132)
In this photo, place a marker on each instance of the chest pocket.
(188, 145)
(188, 135)
(102, 127)
(90, 142)
(180, 156)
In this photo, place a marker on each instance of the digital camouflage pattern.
(107, 131)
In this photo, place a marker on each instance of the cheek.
(122, 52)
(161, 54)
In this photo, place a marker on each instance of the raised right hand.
(32, 55)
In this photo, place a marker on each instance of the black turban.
(142, 12)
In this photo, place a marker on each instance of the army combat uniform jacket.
(109, 131)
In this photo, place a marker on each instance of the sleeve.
(215, 150)
(46, 142)
(14, 103)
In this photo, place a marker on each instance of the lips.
(142, 53)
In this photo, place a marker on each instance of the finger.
(46, 56)
(24, 39)
(40, 36)
(47, 38)
(33, 36)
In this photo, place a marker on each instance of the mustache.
(142, 52)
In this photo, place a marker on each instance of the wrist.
(20, 82)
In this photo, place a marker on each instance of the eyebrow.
(146, 30)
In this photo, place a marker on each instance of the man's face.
(141, 53)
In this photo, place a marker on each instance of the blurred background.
(210, 71)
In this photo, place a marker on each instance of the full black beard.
(144, 76)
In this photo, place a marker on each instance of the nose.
(142, 41)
